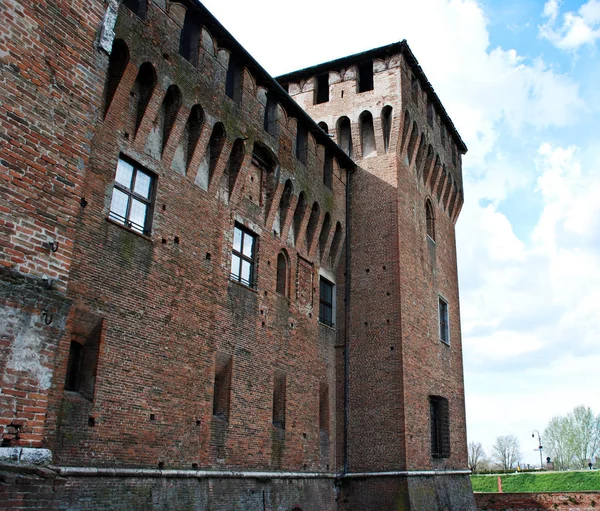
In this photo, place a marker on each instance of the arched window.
(138, 7)
(142, 92)
(430, 219)
(299, 215)
(324, 236)
(283, 273)
(386, 126)
(270, 120)
(189, 41)
(324, 127)
(169, 109)
(236, 157)
(215, 146)
(117, 63)
(193, 130)
(367, 135)
(311, 228)
(328, 169)
(344, 135)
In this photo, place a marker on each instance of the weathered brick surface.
(161, 310)
(572, 501)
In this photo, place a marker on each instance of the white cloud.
(574, 29)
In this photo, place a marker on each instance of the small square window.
(326, 302)
(132, 197)
(243, 256)
(443, 320)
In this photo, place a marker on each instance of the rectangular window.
(301, 143)
(443, 319)
(243, 256)
(439, 416)
(222, 386)
(233, 80)
(322, 94)
(365, 76)
(279, 400)
(326, 302)
(132, 197)
(430, 114)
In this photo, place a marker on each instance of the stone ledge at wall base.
(564, 501)
(29, 487)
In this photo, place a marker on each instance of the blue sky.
(520, 81)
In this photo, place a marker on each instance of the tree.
(476, 456)
(573, 440)
(505, 451)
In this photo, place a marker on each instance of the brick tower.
(405, 396)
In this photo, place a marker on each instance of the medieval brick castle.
(221, 290)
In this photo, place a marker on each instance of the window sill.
(242, 285)
(430, 239)
(125, 228)
(331, 327)
(446, 343)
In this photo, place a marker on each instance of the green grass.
(538, 482)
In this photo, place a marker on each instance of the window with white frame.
(243, 256)
(326, 305)
(443, 320)
(132, 197)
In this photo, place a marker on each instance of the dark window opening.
(271, 122)
(328, 169)
(326, 302)
(324, 127)
(301, 143)
(142, 91)
(453, 154)
(284, 204)
(233, 82)
(222, 386)
(365, 76)
(322, 94)
(234, 164)
(193, 130)
(324, 236)
(215, 147)
(386, 126)
(430, 219)
(117, 64)
(243, 256)
(132, 197)
(367, 135)
(335, 244)
(282, 274)
(138, 7)
(443, 135)
(84, 351)
(189, 41)
(279, 400)
(430, 114)
(169, 109)
(444, 320)
(299, 215)
(439, 416)
(344, 135)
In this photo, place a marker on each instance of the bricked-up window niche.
(117, 63)
(301, 143)
(412, 142)
(443, 135)
(263, 159)
(279, 399)
(406, 128)
(328, 169)
(215, 147)
(336, 244)
(284, 207)
(311, 228)
(138, 7)
(192, 131)
(243, 256)
(271, 119)
(222, 386)
(414, 88)
(386, 126)
(142, 92)
(299, 213)
(439, 418)
(132, 196)
(444, 324)
(283, 274)
(365, 76)
(168, 113)
(233, 80)
(322, 92)
(430, 113)
(189, 41)
(84, 351)
(453, 154)
(234, 164)
(324, 408)
(367, 135)
(326, 305)
(429, 214)
(344, 135)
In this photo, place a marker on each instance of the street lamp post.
(539, 446)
